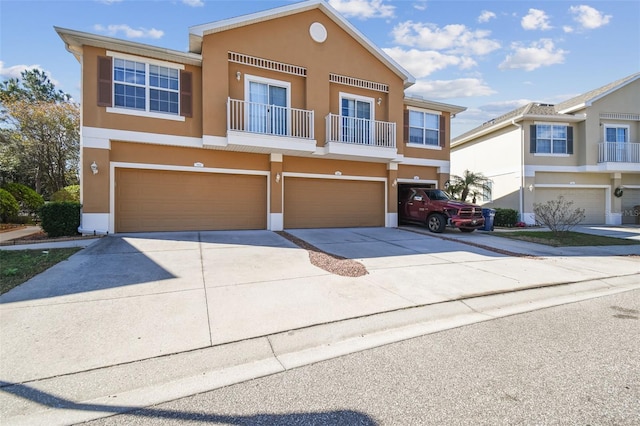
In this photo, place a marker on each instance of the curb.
(103, 392)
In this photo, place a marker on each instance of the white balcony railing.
(618, 152)
(251, 117)
(360, 131)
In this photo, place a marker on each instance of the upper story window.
(551, 139)
(613, 133)
(268, 107)
(424, 128)
(356, 114)
(132, 85)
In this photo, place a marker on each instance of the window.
(487, 192)
(356, 113)
(132, 88)
(614, 133)
(138, 86)
(551, 139)
(424, 128)
(268, 106)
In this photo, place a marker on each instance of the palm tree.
(468, 183)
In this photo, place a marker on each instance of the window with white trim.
(551, 139)
(424, 128)
(145, 87)
(613, 133)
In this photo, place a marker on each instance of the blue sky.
(488, 56)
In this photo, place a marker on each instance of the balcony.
(618, 152)
(361, 138)
(262, 128)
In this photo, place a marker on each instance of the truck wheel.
(436, 223)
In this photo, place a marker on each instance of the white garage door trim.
(388, 221)
(607, 195)
(167, 167)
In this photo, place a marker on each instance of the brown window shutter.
(105, 81)
(406, 126)
(443, 133)
(186, 94)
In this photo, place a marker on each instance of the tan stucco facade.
(200, 148)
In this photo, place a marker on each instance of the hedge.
(506, 217)
(60, 219)
(27, 198)
(8, 206)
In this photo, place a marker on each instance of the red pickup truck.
(434, 208)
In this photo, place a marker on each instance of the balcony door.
(617, 137)
(268, 106)
(356, 113)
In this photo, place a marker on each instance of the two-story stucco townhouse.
(586, 149)
(287, 118)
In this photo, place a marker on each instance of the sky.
(488, 56)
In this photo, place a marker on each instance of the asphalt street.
(568, 365)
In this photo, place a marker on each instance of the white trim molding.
(99, 135)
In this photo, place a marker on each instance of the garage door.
(331, 203)
(591, 200)
(630, 199)
(156, 200)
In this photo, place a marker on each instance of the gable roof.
(197, 32)
(535, 110)
(586, 99)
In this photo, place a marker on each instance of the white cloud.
(422, 5)
(536, 20)
(456, 38)
(537, 54)
(193, 3)
(15, 71)
(363, 9)
(588, 17)
(446, 89)
(110, 1)
(567, 29)
(421, 63)
(486, 16)
(129, 32)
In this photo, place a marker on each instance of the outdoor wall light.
(338, 173)
(94, 168)
(238, 74)
(379, 101)
(277, 177)
(395, 182)
(531, 188)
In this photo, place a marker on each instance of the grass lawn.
(565, 239)
(17, 266)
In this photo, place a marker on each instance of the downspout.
(521, 200)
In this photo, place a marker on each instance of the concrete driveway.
(139, 296)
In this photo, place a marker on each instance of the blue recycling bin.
(489, 216)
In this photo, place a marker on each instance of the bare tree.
(558, 215)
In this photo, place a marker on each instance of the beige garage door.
(591, 200)
(630, 199)
(330, 203)
(155, 200)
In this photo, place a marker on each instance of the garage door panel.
(157, 200)
(592, 200)
(331, 203)
(630, 199)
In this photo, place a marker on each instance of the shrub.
(506, 217)
(60, 219)
(28, 199)
(558, 215)
(9, 207)
(68, 193)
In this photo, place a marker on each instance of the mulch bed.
(331, 263)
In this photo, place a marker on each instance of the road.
(577, 364)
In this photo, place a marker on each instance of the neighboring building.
(288, 118)
(586, 149)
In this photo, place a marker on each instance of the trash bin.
(489, 216)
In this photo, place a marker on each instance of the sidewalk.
(134, 320)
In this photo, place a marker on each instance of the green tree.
(469, 183)
(39, 136)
